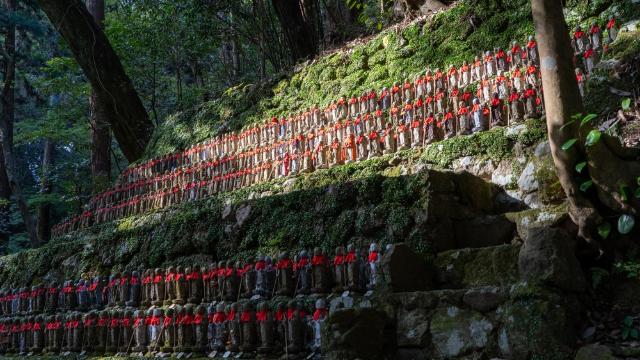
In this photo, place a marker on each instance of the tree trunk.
(6, 127)
(7, 113)
(100, 131)
(562, 101)
(44, 210)
(101, 65)
(299, 22)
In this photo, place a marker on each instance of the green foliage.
(629, 331)
(597, 276)
(604, 230)
(626, 223)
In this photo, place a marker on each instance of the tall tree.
(44, 209)
(6, 126)
(127, 116)
(610, 167)
(299, 19)
(100, 130)
(8, 108)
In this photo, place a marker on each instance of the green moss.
(492, 145)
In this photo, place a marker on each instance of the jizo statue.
(181, 286)
(169, 286)
(266, 328)
(339, 269)
(220, 329)
(196, 286)
(295, 328)
(140, 332)
(319, 316)
(169, 333)
(135, 290)
(249, 329)
(158, 288)
(302, 274)
(233, 327)
(126, 332)
(374, 266)
(200, 330)
(284, 275)
(320, 272)
(90, 324)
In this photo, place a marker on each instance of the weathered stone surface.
(416, 300)
(242, 214)
(493, 266)
(410, 354)
(531, 326)
(548, 256)
(354, 333)
(456, 331)
(412, 327)
(532, 218)
(527, 181)
(485, 298)
(404, 270)
(475, 191)
(503, 174)
(484, 231)
(594, 352)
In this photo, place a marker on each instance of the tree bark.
(101, 65)
(6, 127)
(7, 113)
(299, 22)
(44, 210)
(562, 100)
(100, 130)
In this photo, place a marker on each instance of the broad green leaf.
(624, 193)
(626, 223)
(576, 117)
(604, 229)
(593, 137)
(627, 321)
(637, 193)
(566, 146)
(586, 185)
(567, 124)
(625, 333)
(580, 166)
(633, 333)
(638, 180)
(626, 104)
(588, 118)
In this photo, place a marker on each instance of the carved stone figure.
(303, 273)
(135, 290)
(516, 109)
(37, 336)
(102, 332)
(249, 329)
(355, 277)
(169, 286)
(155, 329)
(168, 331)
(77, 333)
(113, 340)
(320, 272)
(220, 329)
(247, 279)
(231, 282)
(284, 274)
(196, 286)
(158, 289)
(497, 111)
(319, 315)
(181, 286)
(184, 319)
(200, 330)
(374, 266)
(295, 328)
(90, 324)
(265, 328)
(146, 288)
(140, 332)
(233, 328)
(126, 331)
(339, 269)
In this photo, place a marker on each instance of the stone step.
(474, 267)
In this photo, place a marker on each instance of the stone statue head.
(179, 270)
(351, 247)
(321, 304)
(340, 250)
(373, 247)
(220, 307)
(248, 306)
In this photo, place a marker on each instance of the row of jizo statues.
(222, 308)
(351, 269)
(497, 88)
(220, 328)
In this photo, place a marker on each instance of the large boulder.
(456, 331)
(595, 352)
(547, 256)
(406, 271)
(355, 334)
